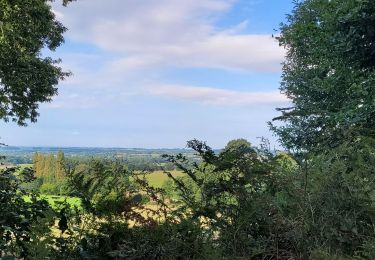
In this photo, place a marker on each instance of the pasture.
(55, 201)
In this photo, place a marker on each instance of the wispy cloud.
(154, 33)
(126, 55)
(216, 96)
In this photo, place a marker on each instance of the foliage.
(26, 77)
(329, 77)
(234, 195)
(340, 201)
(17, 216)
(244, 202)
(50, 172)
(102, 186)
(113, 205)
(48, 188)
(328, 74)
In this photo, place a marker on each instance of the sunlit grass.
(56, 201)
(158, 178)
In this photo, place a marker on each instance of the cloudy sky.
(156, 73)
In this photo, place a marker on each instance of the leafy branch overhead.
(27, 77)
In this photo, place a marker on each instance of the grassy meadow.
(55, 200)
(158, 178)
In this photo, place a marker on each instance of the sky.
(157, 73)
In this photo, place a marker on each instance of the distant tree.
(49, 169)
(26, 77)
(329, 74)
(35, 163)
(235, 151)
(39, 164)
(237, 143)
(60, 165)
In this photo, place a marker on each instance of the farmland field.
(55, 200)
(158, 178)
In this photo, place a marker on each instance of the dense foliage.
(244, 202)
(329, 73)
(17, 216)
(26, 77)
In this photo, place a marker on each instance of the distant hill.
(21, 155)
(86, 151)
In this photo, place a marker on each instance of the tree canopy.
(27, 77)
(329, 73)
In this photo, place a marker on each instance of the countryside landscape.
(186, 129)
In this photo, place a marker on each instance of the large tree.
(27, 77)
(329, 73)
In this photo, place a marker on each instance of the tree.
(234, 194)
(49, 168)
(27, 78)
(18, 215)
(60, 166)
(236, 148)
(35, 158)
(329, 74)
(39, 164)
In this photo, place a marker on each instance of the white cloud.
(154, 33)
(214, 96)
(140, 37)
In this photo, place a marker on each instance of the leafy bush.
(18, 216)
(49, 188)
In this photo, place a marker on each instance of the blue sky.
(156, 73)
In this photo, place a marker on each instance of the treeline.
(50, 174)
(50, 167)
(135, 162)
(148, 163)
(15, 160)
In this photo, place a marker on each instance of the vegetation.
(328, 74)
(316, 200)
(27, 78)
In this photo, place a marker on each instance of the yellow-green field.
(55, 201)
(158, 178)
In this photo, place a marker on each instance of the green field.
(158, 178)
(55, 201)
